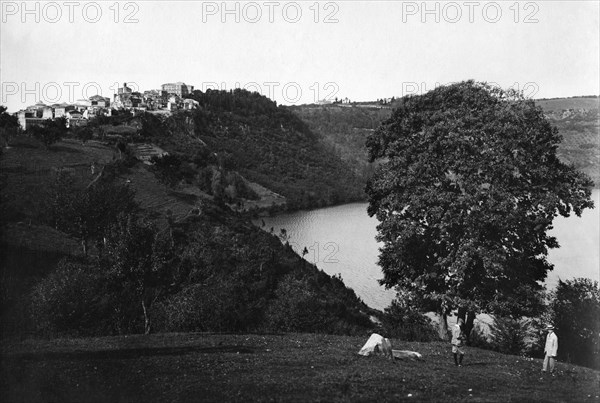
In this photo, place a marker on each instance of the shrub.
(238, 187)
(82, 298)
(511, 336)
(316, 304)
(221, 305)
(575, 309)
(293, 308)
(87, 213)
(402, 321)
(82, 133)
(50, 131)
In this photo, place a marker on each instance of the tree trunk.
(461, 314)
(443, 326)
(468, 318)
(469, 324)
(146, 318)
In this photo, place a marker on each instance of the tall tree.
(9, 127)
(466, 192)
(51, 131)
(7, 120)
(87, 213)
(144, 259)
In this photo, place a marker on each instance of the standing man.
(458, 338)
(551, 349)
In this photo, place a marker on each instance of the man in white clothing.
(550, 350)
(458, 338)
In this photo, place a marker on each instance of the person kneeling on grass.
(458, 338)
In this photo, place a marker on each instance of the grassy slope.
(290, 367)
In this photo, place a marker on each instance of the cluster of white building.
(171, 97)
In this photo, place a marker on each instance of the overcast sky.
(296, 52)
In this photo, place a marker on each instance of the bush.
(82, 133)
(239, 188)
(51, 131)
(575, 309)
(402, 321)
(87, 213)
(81, 298)
(293, 308)
(222, 305)
(172, 169)
(512, 336)
(313, 304)
(9, 127)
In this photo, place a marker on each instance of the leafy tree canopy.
(51, 131)
(89, 212)
(465, 197)
(7, 121)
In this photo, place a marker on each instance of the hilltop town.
(171, 97)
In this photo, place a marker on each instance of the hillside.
(250, 280)
(266, 157)
(578, 120)
(267, 367)
(266, 144)
(562, 104)
(346, 128)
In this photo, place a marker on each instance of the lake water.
(341, 240)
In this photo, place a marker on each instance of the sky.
(296, 52)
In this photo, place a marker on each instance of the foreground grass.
(291, 367)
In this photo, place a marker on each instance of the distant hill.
(578, 120)
(242, 133)
(270, 145)
(561, 104)
(345, 127)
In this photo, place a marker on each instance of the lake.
(341, 240)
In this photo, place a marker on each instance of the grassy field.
(290, 367)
